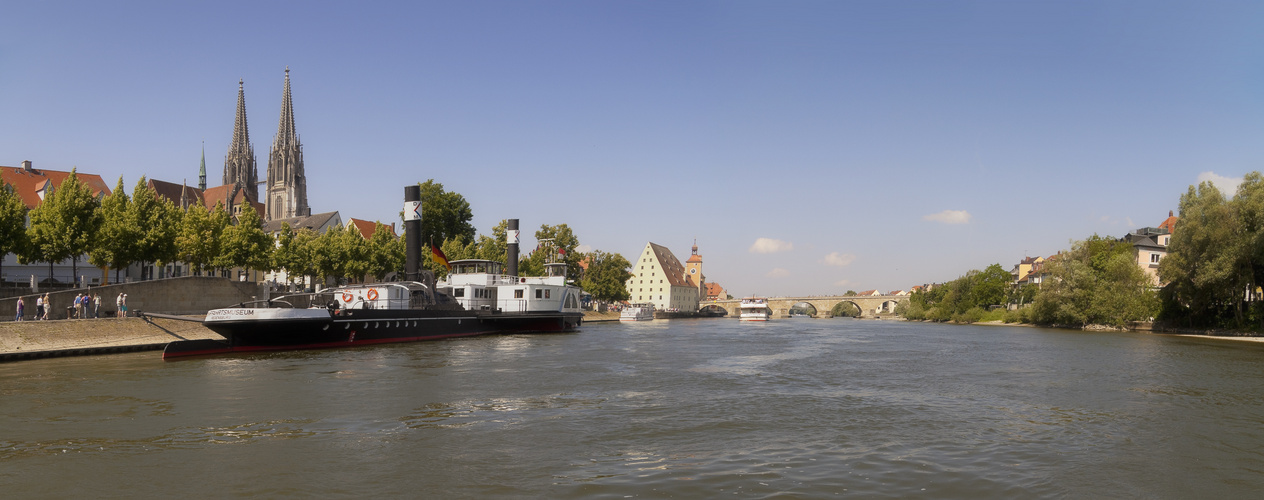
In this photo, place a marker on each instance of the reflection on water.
(684, 408)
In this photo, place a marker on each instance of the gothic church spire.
(239, 163)
(287, 182)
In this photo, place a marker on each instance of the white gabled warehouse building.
(659, 278)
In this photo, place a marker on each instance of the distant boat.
(754, 309)
(799, 315)
(637, 312)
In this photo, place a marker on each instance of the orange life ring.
(372, 294)
(346, 297)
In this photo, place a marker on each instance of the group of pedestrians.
(85, 306)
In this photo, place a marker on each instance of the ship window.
(539, 293)
(459, 292)
(518, 294)
(546, 294)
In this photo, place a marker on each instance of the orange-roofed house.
(32, 185)
(367, 228)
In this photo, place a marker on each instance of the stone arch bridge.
(870, 305)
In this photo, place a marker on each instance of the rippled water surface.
(685, 409)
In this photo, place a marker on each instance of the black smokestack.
(511, 254)
(412, 233)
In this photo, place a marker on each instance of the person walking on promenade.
(39, 307)
(21, 306)
(118, 306)
(125, 305)
(79, 306)
(96, 305)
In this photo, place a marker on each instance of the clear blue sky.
(834, 131)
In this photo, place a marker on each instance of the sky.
(809, 148)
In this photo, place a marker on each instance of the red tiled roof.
(367, 228)
(219, 194)
(714, 290)
(1170, 222)
(28, 184)
(176, 192)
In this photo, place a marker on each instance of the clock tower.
(693, 271)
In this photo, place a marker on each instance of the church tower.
(693, 267)
(202, 170)
(287, 183)
(239, 163)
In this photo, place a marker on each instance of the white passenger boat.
(754, 309)
(637, 312)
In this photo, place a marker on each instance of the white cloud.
(949, 217)
(777, 273)
(769, 245)
(839, 259)
(1228, 186)
(584, 248)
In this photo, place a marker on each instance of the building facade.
(659, 278)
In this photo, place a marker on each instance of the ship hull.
(291, 329)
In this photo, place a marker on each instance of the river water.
(665, 409)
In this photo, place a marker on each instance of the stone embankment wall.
(184, 295)
(39, 339)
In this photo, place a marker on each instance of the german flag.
(439, 256)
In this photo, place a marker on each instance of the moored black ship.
(478, 297)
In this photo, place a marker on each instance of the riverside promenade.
(80, 337)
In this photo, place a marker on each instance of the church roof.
(315, 222)
(219, 194)
(176, 192)
(28, 182)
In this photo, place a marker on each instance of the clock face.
(693, 271)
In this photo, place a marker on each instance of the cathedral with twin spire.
(285, 190)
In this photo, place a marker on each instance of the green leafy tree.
(65, 224)
(117, 238)
(12, 222)
(1207, 266)
(301, 261)
(200, 236)
(496, 246)
(1097, 282)
(285, 255)
(444, 214)
(355, 250)
(158, 223)
(606, 277)
(557, 244)
(245, 244)
(385, 253)
(991, 286)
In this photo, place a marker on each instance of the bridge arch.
(847, 308)
(804, 307)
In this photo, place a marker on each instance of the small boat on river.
(478, 297)
(754, 309)
(637, 312)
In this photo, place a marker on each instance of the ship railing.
(513, 305)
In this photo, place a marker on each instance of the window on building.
(1154, 257)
